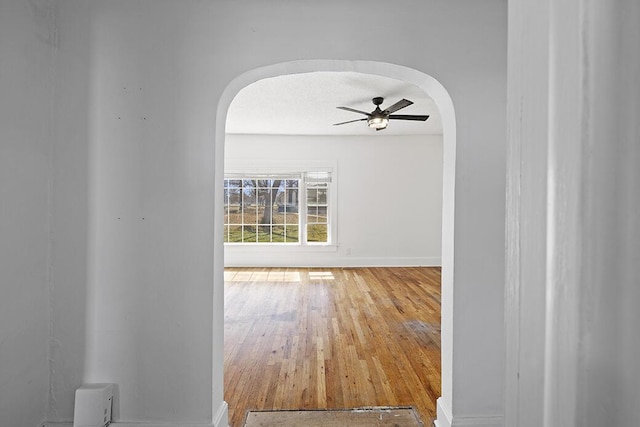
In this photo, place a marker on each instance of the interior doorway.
(444, 104)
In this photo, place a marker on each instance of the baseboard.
(174, 424)
(443, 414)
(491, 421)
(222, 416)
(446, 419)
(142, 424)
(220, 420)
(329, 262)
(389, 262)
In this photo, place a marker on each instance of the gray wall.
(389, 198)
(26, 60)
(136, 89)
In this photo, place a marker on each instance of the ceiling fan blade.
(408, 117)
(398, 105)
(350, 121)
(354, 110)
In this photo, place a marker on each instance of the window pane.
(312, 196)
(322, 214)
(291, 218)
(265, 216)
(312, 214)
(264, 234)
(322, 196)
(277, 233)
(292, 233)
(234, 234)
(232, 215)
(249, 233)
(278, 218)
(287, 199)
(248, 214)
(317, 233)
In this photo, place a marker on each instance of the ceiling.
(305, 104)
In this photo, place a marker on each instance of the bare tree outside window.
(257, 210)
(267, 210)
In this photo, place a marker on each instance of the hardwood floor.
(331, 338)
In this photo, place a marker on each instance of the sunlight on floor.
(273, 276)
(321, 275)
(262, 276)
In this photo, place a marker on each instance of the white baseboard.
(117, 424)
(328, 262)
(491, 421)
(443, 414)
(222, 416)
(220, 420)
(446, 419)
(141, 424)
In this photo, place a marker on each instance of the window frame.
(295, 170)
(259, 188)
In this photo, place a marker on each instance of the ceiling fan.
(379, 119)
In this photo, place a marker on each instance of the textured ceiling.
(305, 104)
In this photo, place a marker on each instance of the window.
(263, 209)
(317, 226)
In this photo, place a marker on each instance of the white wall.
(133, 294)
(389, 192)
(26, 59)
(526, 195)
(609, 384)
(582, 310)
(70, 208)
(137, 87)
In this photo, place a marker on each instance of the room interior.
(112, 118)
(382, 179)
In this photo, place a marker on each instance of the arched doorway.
(437, 92)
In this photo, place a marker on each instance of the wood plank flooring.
(331, 338)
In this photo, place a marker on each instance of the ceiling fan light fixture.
(378, 122)
(379, 119)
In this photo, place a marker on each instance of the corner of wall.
(446, 418)
(443, 413)
(222, 416)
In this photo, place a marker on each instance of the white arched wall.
(137, 89)
(442, 99)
